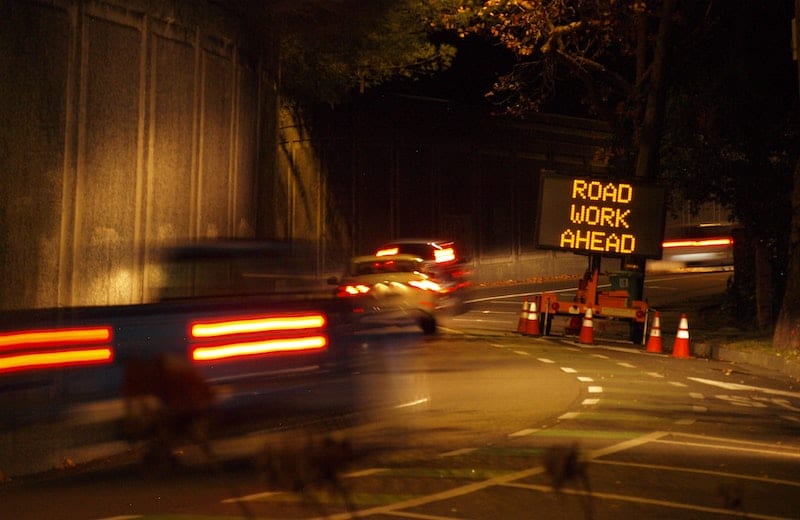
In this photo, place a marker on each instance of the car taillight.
(257, 335)
(55, 348)
(345, 291)
(426, 285)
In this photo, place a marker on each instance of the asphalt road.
(480, 422)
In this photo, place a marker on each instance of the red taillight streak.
(57, 359)
(213, 329)
(55, 348)
(54, 337)
(254, 348)
(698, 243)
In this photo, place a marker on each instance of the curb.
(771, 362)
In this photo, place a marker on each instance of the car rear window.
(384, 266)
(443, 252)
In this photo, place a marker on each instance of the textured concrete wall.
(124, 125)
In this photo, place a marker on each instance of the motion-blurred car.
(708, 246)
(440, 259)
(390, 290)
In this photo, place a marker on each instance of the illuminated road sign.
(600, 216)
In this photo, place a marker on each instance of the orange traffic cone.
(522, 323)
(654, 340)
(681, 348)
(587, 330)
(532, 325)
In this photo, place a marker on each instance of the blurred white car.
(390, 290)
(443, 261)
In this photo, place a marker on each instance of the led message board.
(600, 216)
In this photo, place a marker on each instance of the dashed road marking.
(545, 360)
(522, 353)
(738, 386)
(568, 415)
(456, 453)
(626, 365)
(590, 401)
(585, 379)
(412, 403)
(655, 374)
(696, 395)
(569, 370)
(595, 389)
(678, 384)
(251, 498)
(523, 433)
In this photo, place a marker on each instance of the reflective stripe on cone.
(681, 347)
(654, 340)
(587, 329)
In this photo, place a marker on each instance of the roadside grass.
(724, 327)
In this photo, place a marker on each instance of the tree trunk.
(787, 328)
(650, 134)
(763, 287)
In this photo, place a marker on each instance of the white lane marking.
(569, 370)
(590, 401)
(726, 474)
(775, 453)
(455, 453)
(522, 353)
(473, 487)
(522, 433)
(785, 404)
(251, 498)
(678, 384)
(626, 365)
(696, 395)
(545, 360)
(595, 389)
(412, 403)
(699, 409)
(685, 422)
(600, 356)
(738, 386)
(641, 500)
(479, 320)
(365, 472)
(585, 379)
(740, 400)
(655, 374)
(790, 418)
(568, 415)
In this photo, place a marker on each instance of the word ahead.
(600, 216)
